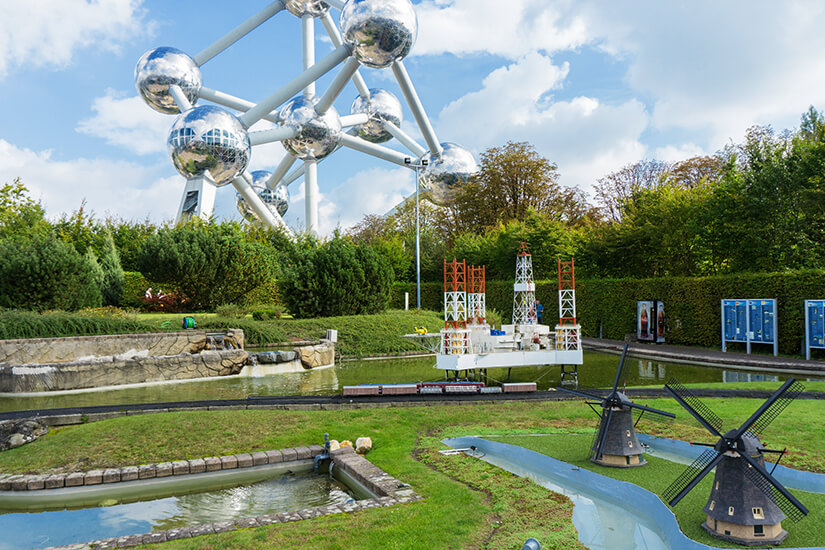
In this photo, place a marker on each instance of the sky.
(593, 85)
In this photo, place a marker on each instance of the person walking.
(539, 311)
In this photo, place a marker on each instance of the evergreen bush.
(43, 273)
(335, 278)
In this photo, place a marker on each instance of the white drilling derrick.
(524, 290)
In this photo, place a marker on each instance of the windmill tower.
(455, 338)
(568, 330)
(746, 503)
(615, 443)
(524, 290)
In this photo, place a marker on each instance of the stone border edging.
(18, 482)
(391, 491)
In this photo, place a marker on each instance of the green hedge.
(692, 304)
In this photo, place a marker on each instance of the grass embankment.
(467, 504)
(358, 335)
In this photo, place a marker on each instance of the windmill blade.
(650, 409)
(772, 488)
(582, 394)
(621, 366)
(695, 407)
(771, 408)
(603, 433)
(692, 475)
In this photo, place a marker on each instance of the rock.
(346, 443)
(316, 356)
(363, 445)
(14, 433)
(334, 445)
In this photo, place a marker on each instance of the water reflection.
(598, 370)
(280, 494)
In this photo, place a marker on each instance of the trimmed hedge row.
(692, 304)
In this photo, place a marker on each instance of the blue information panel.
(814, 326)
(749, 321)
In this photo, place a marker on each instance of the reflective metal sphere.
(277, 200)
(208, 139)
(158, 69)
(298, 8)
(317, 135)
(380, 31)
(380, 106)
(446, 173)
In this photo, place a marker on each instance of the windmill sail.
(692, 475)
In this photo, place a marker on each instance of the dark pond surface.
(598, 370)
(280, 494)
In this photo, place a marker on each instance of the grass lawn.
(467, 504)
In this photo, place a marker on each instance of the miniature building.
(621, 447)
(738, 511)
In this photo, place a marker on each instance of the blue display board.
(751, 321)
(814, 326)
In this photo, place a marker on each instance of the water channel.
(598, 370)
(283, 493)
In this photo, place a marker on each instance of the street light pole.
(418, 166)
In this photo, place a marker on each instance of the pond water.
(279, 494)
(598, 370)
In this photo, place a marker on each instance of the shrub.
(43, 272)
(267, 314)
(113, 278)
(231, 311)
(336, 278)
(210, 264)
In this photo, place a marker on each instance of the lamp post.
(417, 166)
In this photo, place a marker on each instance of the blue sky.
(594, 85)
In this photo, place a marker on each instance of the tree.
(42, 272)
(113, 279)
(210, 264)
(19, 214)
(335, 278)
(617, 189)
(513, 181)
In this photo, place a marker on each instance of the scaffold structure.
(476, 295)
(524, 289)
(567, 331)
(455, 338)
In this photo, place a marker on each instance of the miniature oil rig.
(468, 343)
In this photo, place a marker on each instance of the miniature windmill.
(746, 504)
(616, 443)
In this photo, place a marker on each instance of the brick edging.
(16, 482)
(391, 491)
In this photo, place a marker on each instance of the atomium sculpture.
(211, 146)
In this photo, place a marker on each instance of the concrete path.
(704, 356)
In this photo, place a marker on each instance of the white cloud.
(127, 122)
(674, 153)
(118, 188)
(585, 137)
(47, 32)
(372, 191)
(510, 29)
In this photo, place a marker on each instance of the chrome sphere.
(317, 135)
(299, 8)
(277, 200)
(160, 68)
(209, 140)
(381, 106)
(446, 173)
(380, 31)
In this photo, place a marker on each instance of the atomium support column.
(198, 199)
(311, 184)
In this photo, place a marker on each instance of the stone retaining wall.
(113, 371)
(65, 350)
(390, 492)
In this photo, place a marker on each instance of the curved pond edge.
(636, 501)
(381, 490)
(794, 479)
